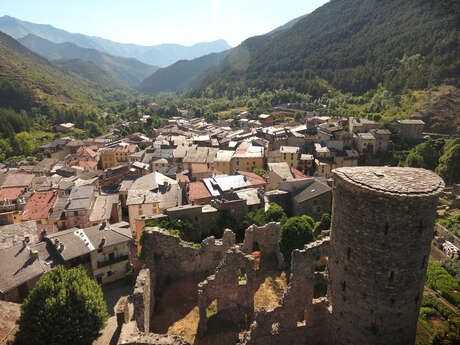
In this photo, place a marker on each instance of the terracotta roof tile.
(198, 190)
(10, 193)
(38, 206)
(256, 180)
(298, 174)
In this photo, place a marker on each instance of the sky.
(150, 22)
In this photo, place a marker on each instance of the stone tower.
(382, 227)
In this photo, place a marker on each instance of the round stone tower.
(381, 232)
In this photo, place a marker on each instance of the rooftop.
(17, 266)
(256, 180)
(10, 193)
(78, 242)
(289, 149)
(17, 180)
(392, 180)
(12, 234)
(198, 190)
(312, 190)
(281, 169)
(39, 205)
(224, 156)
(102, 208)
(411, 122)
(366, 136)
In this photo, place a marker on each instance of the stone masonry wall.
(300, 318)
(381, 230)
(265, 239)
(142, 301)
(169, 258)
(234, 295)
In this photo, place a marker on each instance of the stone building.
(379, 252)
(411, 129)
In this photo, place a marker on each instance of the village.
(90, 200)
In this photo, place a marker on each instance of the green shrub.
(64, 307)
(294, 234)
(426, 312)
(439, 279)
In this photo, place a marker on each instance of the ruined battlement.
(361, 285)
(170, 258)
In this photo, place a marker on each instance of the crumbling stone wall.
(169, 258)
(142, 300)
(300, 318)
(233, 285)
(264, 239)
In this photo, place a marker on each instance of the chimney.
(25, 241)
(33, 254)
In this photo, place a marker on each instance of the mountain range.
(157, 55)
(354, 45)
(28, 80)
(186, 74)
(129, 70)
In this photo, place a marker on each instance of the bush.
(64, 307)
(185, 229)
(426, 312)
(438, 278)
(432, 302)
(275, 213)
(294, 234)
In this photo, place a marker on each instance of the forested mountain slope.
(180, 75)
(128, 70)
(27, 79)
(354, 45)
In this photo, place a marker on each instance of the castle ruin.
(363, 285)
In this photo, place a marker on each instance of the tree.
(449, 163)
(294, 234)
(92, 129)
(25, 144)
(426, 155)
(64, 307)
(275, 213)
(324, 223)
(255, 217)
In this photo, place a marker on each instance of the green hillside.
(22, 70)
(180, 75)
(128, 70)
(352, 44)
(88, 70)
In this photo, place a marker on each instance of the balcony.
(120, 258)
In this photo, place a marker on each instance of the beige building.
(290, 155)
(248, 157)
(108, 158)
(358, 125)
(223, 161)
(149, 195)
